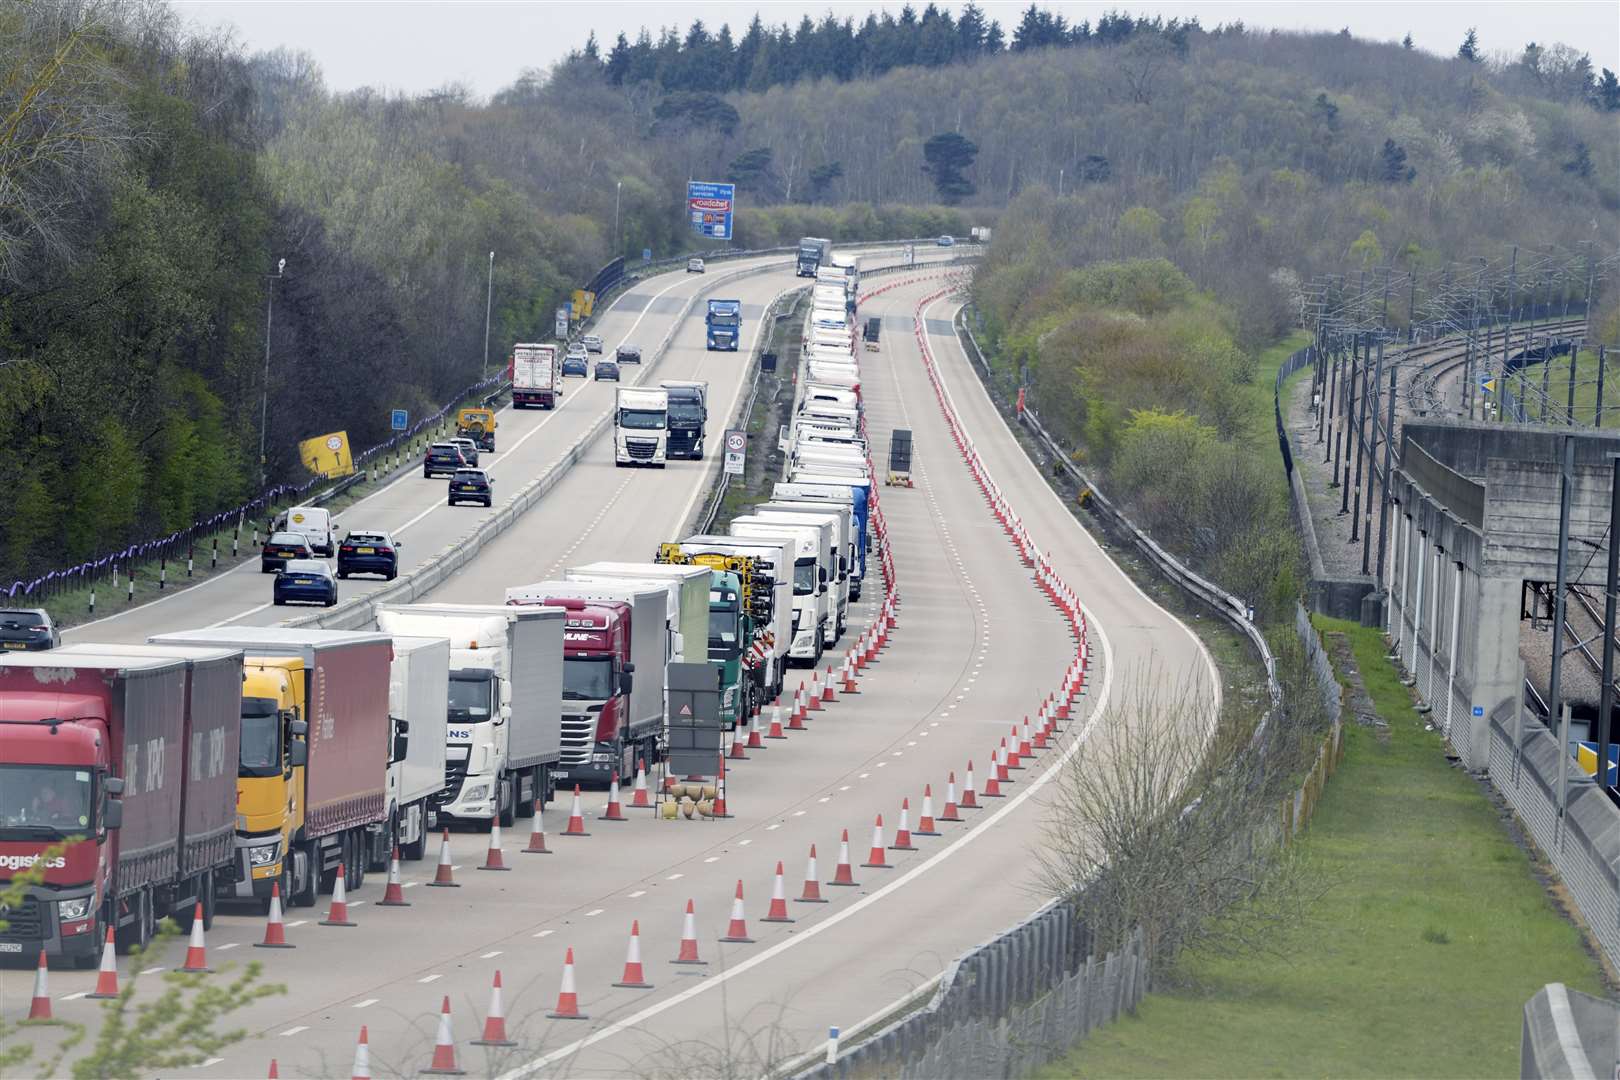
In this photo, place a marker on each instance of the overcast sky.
(416, 46)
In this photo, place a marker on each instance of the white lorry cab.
(839, 519)
(641, 426)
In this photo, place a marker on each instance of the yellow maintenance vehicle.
(478, 425)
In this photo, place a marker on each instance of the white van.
(315, 524)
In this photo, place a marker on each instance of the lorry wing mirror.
(629, 667)
(402, 742)
(112, 815)
(627, 679)
(821, 574)
(114, 785)
(298, 728)
(297, 754)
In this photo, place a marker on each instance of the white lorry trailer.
(418, 711)
(815, 623)
(836, 518)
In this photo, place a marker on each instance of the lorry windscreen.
(261, 738)
(641, 419)
(469, 700)
(587, 678)
(804, 577)
(685, 410)
(723, 631)
(39, 799)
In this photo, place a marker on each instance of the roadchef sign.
(708, 208)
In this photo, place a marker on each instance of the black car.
(283, 547)
(607, 369)
(442, 459)
(305, 581)
(628, 354)
(368, 553)
(28, 629)
(472, 485)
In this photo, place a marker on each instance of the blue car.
(306, 581)
(577, 362)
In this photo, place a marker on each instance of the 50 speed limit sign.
(736, 451)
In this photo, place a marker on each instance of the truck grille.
(27, 920)
(640, 449)
(578, 736)
(455, 773)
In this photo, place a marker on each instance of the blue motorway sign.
(646, 254)
(709, 208)
(400, 420)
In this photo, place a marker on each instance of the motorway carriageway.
(976, 648)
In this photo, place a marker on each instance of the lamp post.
(618, 241)
(264, 389)
(489, 300)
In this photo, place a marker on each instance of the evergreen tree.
(822, 177)
(748, 51)
(994, 41)
(970, 31)
(1396, 170)
(1469, 49)
(1581, 164)
(1406, 42)
(618, 61)
(1607, 95)
(947, 156)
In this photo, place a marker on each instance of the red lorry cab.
(596, 648)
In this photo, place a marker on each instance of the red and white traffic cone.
(827, 694)
(754, 734)
(999, 756)
(634, 978)
(950, 813)
(778, 911)
(992, 786)
(737, 932)
(614, 811)
(970, 796)
(796, 720)
(40, 1007)
(444, 1046)
(925, 821)
(737, 741)
(720, 810)
(495, 1022)
(443, 875)
(689, 942)
(196, 950)
(776, 731)
(275, 931)
(876, 859)
(1009, 754)
(275, 1071)
(639, 798)
(576, 818)
(1025, 749)
(537, 834)
(902, 835)
(812, 887)
(361, 1070)
(812, 702)
(849, 676)
(494, 858)
(843, 873)
(394, 893)
(338, 913)
(1041, 732)
(107, 977)
(567, 1000)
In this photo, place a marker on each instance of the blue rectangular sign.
(709, 208)
(401, 420)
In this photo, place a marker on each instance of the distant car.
(442, 459)
(368, 553)
(469, 449)
(628, 354)
(606, 369)
(592, 343)
(284, 547)
(472, 485)
(28, 629)
(694, 266)
(576, 362)
(305, 581)
(947, 241)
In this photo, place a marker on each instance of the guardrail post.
(213, 556)
(163, 572)
(129, 597)
(191, 554)
(92, 600)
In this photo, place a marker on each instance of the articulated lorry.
(812, 250)
(418, 710)
(743, 636)
(535, 376)
(815, 623)
(852, 495)
(503, 734)
(125, 766)
(724, 322)
(688, 416)
(841, 521)
(610, 715)
(640, 426)
(312, 781)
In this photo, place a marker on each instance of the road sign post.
(736, 451)
(562, 322)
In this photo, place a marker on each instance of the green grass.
(1416, 962)
(1260, 432)
(1554, 407)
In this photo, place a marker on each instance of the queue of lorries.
(220, 764)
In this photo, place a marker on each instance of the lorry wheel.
(507, 802)
(326, 879)
(138, 933)
(525, 801)
(307, 891)
(415, 849)
(382, 845)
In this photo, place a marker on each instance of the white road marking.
(295, 1030)
(712, 858)
(638, 894)
(76, 997)
(409, 885)
(296, 922)
(675, 877)
(594, 912)
(744, 842)
(435, 977)
(491, 955)
(544, 933)
(151, 970)
(798, 813)
(229, 945)
(366, 1004)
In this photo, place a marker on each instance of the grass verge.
(1417, 961)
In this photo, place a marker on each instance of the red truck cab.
(596, 688)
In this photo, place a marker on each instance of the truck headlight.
(73, 910)
(264, 856)
(475, 793)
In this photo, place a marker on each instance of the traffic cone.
(796, 721)
(639, 799)
(720, 810)
(754, 742)
(338, 914)
(394, 894)
(925, 822)
(827, 694)
(576, 818)
(737, 752)
(444, 1047)
(970, 797)
(196, 951)
(902, 835)
(275, 931)
(493, 858)
(999, 756)
(614, 811)
(567, 1000)
(1039, 742)
(107, 977)
(361, 1069)
(778, 911)
(737, 932)
(812, 703)
(950, 813)
(495, 1022)
(537, 834)
(776, 731)
(40, 1007)
(689, 942)
(275, 1072)
(843, 873)
(443, 878)
(812, 887)
(849, 676)
(1024, 747)
(1009, 754)
(876, 858)
(992, 786)
(634, 978)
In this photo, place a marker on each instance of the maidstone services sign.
(708, 208)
